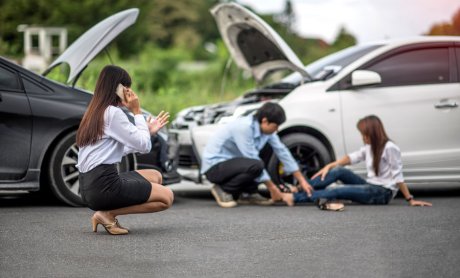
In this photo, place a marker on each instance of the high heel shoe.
(119, 225)
(111, 228)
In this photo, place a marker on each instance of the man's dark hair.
(272, 111)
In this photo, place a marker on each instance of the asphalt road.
(40, 237)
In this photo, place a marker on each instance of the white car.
(413, 85)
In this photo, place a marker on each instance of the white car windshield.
(337, 60)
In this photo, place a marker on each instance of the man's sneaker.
(254, 199)
(223, 198)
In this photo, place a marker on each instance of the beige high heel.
(111, 228)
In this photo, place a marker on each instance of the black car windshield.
(338, 60)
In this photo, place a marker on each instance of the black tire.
(63, 175)
(309, 152)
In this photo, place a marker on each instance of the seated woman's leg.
(342, 174)
(363, 194)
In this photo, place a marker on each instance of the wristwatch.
(409, 198)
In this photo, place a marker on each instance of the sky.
(367, 20)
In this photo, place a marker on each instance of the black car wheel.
(63, 175)
(309, 152)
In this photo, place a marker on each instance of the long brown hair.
(372, 128)
(92, 125)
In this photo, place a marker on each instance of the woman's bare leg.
(151, 175)
(161, 198)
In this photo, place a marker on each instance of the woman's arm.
(405, 191)
(340, 162)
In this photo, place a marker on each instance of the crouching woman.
(105, 135)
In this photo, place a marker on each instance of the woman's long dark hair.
(372, 128)
(92, 125)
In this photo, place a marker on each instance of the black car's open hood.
(88, 45)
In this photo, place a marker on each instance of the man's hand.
(307, 188)
(275, 193)
(303, 183)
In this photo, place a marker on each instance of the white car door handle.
(442, 105)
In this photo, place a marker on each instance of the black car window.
(8, 80)
(32, 87)
(419, 66)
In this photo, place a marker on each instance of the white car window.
(340, 59)
(420, 66)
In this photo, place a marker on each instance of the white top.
(390, 168)
(120, 137)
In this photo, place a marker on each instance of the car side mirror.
(365, 77)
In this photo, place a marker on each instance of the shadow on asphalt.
(46, 199)
(29, 199)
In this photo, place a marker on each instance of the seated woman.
(384, 174)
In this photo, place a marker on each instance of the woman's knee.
(169, 197)
(338, 170)
(151, 175)
(165, 196)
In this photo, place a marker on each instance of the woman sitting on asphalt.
(384, 174)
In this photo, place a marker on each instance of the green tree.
(184, 23)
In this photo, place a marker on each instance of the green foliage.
(163, 85)
(161, 50)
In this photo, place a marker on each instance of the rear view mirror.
(365, 77)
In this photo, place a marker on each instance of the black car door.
(15, 126)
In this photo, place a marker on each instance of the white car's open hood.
(88, 45)
(253, 44)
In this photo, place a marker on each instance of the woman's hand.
(131, 101)
(160, 121)
(323, 172)
(415, 203)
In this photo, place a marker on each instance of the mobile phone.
(121, 92)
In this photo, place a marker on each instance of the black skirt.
(103, 188)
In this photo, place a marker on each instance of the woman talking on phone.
(105, 135)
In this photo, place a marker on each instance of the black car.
(39, 118)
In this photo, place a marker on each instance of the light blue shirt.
(243, 138)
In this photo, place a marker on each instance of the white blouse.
(390, 167)
(120, 137)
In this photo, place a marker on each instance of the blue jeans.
(355, 189)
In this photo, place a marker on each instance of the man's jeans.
(354, 188)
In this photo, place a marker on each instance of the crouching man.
(231, 158)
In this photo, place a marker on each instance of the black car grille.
(187, 157)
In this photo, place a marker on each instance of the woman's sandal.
(324, 204)
(285, 188)
(112, 228)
